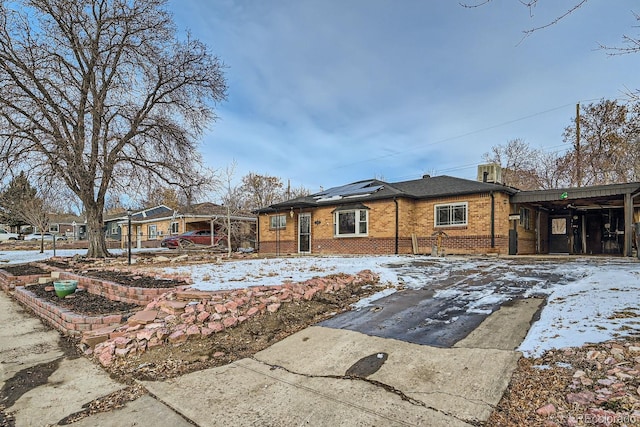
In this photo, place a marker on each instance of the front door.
(559, 239)
(139, 239)
(304, 233)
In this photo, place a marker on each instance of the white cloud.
(329, 92)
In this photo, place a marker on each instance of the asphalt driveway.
(457, 295)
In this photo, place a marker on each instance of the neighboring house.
(150, 226)
(72, 226)
(144, 227)
(452, 215)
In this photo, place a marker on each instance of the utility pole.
(578, 166)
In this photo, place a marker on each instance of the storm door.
(559, 238)
(304, 233)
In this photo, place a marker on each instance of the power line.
(452, 138)
(419, 146)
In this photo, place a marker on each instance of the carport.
(582, 220)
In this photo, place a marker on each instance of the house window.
(278, 222)
(451, 214)
(54, 228)
(525, 218)
(351, 222)
(153, 232)
(114, 229)
(175, 227)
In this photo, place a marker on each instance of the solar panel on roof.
(349, 190)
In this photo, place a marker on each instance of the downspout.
(256, 243)
(493, 219)
(278, 235)
(397, 225)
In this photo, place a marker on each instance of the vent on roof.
(491, 172)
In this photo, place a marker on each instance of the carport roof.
(594, 193)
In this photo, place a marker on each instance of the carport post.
(628, 224)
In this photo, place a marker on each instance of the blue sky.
(327, 92)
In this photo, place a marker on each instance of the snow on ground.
(275, 271)
(589, 300)
(20, 257)
(597, 307)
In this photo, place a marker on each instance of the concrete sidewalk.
(301, 380)
(41, 384)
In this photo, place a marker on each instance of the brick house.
(453, 215)
(376, 217)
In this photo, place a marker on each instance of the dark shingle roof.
(442, 186)
(424, 188)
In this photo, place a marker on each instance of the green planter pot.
(65, 287)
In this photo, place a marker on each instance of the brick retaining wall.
(65, 320)
(117, 292)
(8, 282)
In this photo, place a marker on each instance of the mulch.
(86, 303)
(83, 302)
(133, 280)
(24, 270)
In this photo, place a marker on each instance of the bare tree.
(609, 142)
(519, 162)
(555, 171)
(101, 94)
(296, 192)
(35, 212)
(259, 191)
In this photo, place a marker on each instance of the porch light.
(291, 213)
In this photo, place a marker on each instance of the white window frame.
(114, 228)
(357, 214)
(152, 231)
(174, 227)
(451, 207)
(277, 222)
(525, 218)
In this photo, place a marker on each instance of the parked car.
(5, 235)
(48, 237)
(195, 237)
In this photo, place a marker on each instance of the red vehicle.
(194, 237)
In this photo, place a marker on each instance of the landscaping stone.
(143, 317)
(176, 316)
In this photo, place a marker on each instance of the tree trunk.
(95, 233)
